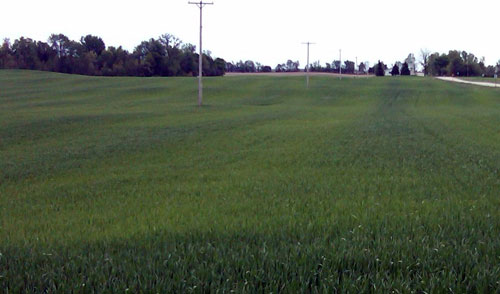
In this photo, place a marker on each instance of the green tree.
(362, 68)
(93, 43)
(424, 60)
(266, 68)
(456, 65)
(379, 69)
(349, 67)
(405, 70)
(46, 55)
(7, 60)
(25, 53)
(220, 67)
(438, 64)
(188, 60)
(60, 44)
(395, 70)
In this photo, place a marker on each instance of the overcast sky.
(271, 31)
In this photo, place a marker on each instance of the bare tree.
(424, 59)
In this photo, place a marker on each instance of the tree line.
(348, 67)
(456, 63)
(250, 66)
(168, 56)
(164, 56)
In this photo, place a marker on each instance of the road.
(484, 84)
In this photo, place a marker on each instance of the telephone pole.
(307, 68)
(200, 4)
(356, 71)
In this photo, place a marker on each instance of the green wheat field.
(124, 185)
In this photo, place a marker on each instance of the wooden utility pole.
(200, 4)
(307, 68)
(355, 65)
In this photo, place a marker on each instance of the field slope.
(356, 185)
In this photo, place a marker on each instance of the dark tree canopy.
(395, 70)
(457, 63)
(362, 67)
(165, 56)
(349, 67)
(92, 43)
(379, 69)
(405, 70)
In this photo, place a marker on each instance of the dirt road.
(484, 84)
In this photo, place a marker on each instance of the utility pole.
(307, 68)
(200, 4)
(356, 71)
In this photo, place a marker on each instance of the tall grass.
(355, 185)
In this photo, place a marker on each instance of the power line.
(200, 4)
(307, 68)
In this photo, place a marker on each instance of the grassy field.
(356, 185)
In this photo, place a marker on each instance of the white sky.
(271, 31)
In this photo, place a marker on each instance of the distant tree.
(424, 60)
(173, 56)
(349, 67)
(93, 43)
(280, 68)
(292, 66)
(219, 67)
(230, 67)
(395, 70)
(239, 66)
(258, 67)
(456, 65)
(362, 67)
(490, 71)
(438, 64)
(266, 68)
(6, 57)
(380, 69)
(336, 65)
(482, 66)
(25, 53)
(405, 70)
(188, 60)
(471, 64)
(60, 44)
(208, 65)
(46, 55)
(316, 67)
(250, 66)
